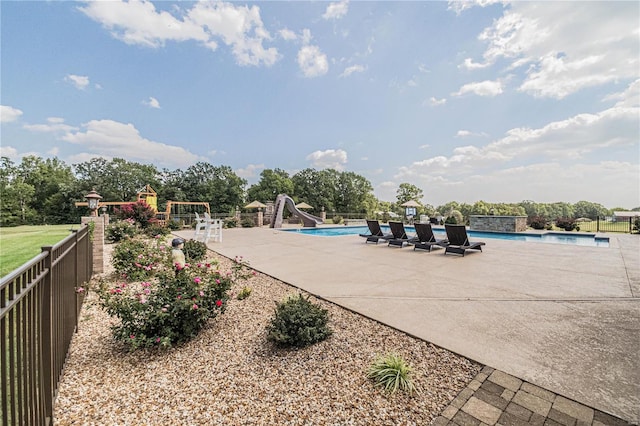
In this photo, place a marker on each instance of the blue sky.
(469, 101)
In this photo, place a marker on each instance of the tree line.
(44, 191)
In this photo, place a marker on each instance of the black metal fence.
(605, 224)
(39, 308)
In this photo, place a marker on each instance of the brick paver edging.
(497, 398)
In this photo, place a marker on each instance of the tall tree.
(217, 185)
(407, 192)
(15, 196)
(589, 210)
(272, 182)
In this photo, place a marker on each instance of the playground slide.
(308, 220)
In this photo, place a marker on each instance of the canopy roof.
(255, 205)
(411, 203)
(303, 205)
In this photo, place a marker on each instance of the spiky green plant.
(391, 372)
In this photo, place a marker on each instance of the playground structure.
(165, 218)
(308, 220)
(150, 196)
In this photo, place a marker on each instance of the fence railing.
(601, 224)
(39, 308)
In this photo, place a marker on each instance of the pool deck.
(564, 319)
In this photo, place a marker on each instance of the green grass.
(604, 226)
(22, 243)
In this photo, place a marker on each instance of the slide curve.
(308, 220)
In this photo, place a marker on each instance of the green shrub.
(244, 293)
(121, 230)
(170, 309)
(451, 220)
(337, 220)
(298, 322)
(231, 222)
(636, 224)
(174, 225)
(154, 230)
(247, 223)
(538, 222)
(391, 372)
(194, 251)
(138, 259)
(566, 223)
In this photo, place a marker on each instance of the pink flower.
(197, 280)
(164, 309)
(201, 293)
(140, 256)
(218, 303)
(80, 290)
(178, 266)
(179, 297)
(253, 273)
(199, 265)
(158, 340)
(217, 281)
(194, 307)
(208, 265)
(133, 336)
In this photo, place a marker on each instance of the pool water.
(589, 240)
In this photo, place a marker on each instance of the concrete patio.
(564, 318)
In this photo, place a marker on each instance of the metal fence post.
(45, 328)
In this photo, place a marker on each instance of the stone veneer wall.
(98, 242)
(498, 223)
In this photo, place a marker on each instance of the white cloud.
(459, 6)
(53, 125)
(9, 152)
(152, 103)
(250, 171)
(482, 88)
(328, 159)
(287, 34)
(108, 138)
(534, 160)
(467, 133)
(81, 82)
(630, 97)
(566, 48)
(336, 10)
(435, 102)
(9, 114)
(470, 65)
(312, 61)
(350, 70)
(139, 23)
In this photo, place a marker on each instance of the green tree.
(316, 188)
(589, 210)
(55, 189)
(272, 183)
(217, 185)
(352, 193)
(407, 192)
(16, 196)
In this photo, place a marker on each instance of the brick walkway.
(497, 398)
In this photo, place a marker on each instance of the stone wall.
(498, 223)
(98, 241)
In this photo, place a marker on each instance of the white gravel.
(231, 375)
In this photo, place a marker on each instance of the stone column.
(98, 241)
(260, 217)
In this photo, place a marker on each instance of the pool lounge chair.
(376, 233)
(399, 235)
(459, 240)
(425, 239)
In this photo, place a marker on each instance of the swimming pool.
(589, 240)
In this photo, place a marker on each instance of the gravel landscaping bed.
(230, 374)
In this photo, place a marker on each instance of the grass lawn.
(21, 243)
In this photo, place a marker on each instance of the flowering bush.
(172, 308)
(138, 259)
(121, 230)
(140, 211)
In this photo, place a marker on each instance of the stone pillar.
(260, 217)
(98, 241)
(323, 215)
